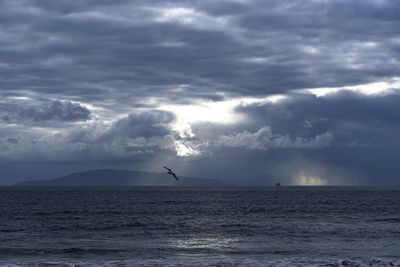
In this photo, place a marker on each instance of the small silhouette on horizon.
(170, 172)
(277, 184)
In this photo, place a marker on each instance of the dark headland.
(110, 177)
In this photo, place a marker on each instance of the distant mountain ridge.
(111, 177)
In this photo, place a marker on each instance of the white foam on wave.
(209, 261)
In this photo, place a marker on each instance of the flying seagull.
(171, 173)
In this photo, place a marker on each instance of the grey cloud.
(63, 111)
(95, 52)
(144, 124)
(12, 140)
(353, 118)
(264, 138)
(138, 137)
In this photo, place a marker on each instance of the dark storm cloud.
(264, 138)
(137, 136)
(98, 49)
(143, 124)
(12, 140)
(62, 111)
(353, 118)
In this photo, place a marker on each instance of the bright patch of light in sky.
(221, 112)
(22, 98)
(183, 150)
(367, 89)
(191, 17)
(216, 112)
(310, 180)
(310, 49)
(255, 60)
(181, 14)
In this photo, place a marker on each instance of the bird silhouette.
(170, 172)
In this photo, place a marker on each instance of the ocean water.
(268, 226)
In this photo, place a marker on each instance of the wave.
(394, 220)
(54, 251)
(105, 227)
(11, 230)
(77, 212)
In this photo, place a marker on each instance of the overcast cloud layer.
(302, 92)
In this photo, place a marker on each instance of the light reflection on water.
(212, 243)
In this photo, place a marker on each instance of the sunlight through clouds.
(190, 17)
(216, 112)
(184, 150)
(310, 180)
(367, 89)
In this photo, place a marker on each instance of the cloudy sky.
(302, 92)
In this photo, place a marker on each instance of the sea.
(200, 226)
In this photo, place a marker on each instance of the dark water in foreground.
(270, 226)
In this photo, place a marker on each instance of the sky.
(301, 92)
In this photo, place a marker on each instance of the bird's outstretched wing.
(176, 178)
(167, 168)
